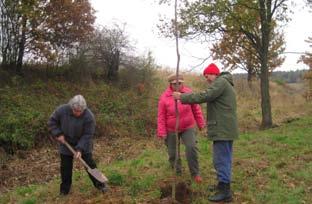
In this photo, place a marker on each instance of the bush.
(138, 72)
(26, 108)
(19, 123)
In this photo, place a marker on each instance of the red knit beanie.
(211, 69)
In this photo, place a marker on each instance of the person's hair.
(78, 103)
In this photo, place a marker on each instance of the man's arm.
(88, 132)
(198, 115)
(210, 94)
(54, 123)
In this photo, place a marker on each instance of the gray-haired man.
(75, 123)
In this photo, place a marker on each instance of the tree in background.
(307, 59)
(42, 29)
(108, 55)
(108, 48)
(235, 51)
(220, 17)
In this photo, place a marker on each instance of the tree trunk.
(249, 75)
(21, 48)
(265, 18)
(264, 82)
(265, 97)
(4, 40)
(112, 73)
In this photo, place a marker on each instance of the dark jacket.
(221, 107)
(78, 131)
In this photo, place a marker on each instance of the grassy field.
(272, 166)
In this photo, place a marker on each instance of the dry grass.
(287, 100)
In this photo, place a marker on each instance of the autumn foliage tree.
(42, 29)
(307, 59)
(235, 51)
(219, 18)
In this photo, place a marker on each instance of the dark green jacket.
(221, 107)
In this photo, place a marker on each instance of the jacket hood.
(228, 76)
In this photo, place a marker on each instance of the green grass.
(26, 108)
(272, 166)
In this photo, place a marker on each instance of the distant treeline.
(282, 76)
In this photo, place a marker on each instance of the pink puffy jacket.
(189, 114)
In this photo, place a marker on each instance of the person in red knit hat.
(211, 72)
(221, 125)
(211, 69)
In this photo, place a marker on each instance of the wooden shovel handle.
(74, 152)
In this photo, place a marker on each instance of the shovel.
(94, 172)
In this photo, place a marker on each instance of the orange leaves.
(68, 21)
(43, 29)
(307, 57)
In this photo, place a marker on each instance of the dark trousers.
(189, 140)
(222, 160)
(67, 170)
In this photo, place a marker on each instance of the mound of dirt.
(183, 194)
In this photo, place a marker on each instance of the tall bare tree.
(107, 48)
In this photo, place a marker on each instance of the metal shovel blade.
(94, 172)
(98, 175)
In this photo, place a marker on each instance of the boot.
(214, 187)
(223, 193)
(102, 187)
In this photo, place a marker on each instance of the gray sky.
(142, 16)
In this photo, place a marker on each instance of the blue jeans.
(222, 160)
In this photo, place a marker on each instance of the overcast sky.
(142, 16)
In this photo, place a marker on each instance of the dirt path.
(39, 166)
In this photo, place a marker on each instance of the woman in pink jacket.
(190, 115)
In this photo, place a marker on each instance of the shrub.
(19, 128)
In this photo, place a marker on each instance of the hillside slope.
(125, 145)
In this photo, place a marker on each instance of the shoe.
(223, 193)
(198, 179)
(63, 193)
(103, 188)
(214, 187)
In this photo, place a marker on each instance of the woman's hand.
(176, 95)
